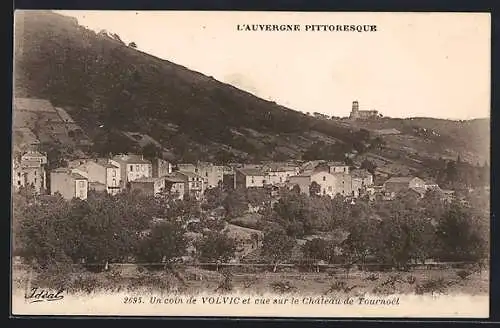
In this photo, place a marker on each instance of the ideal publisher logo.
(43, 295)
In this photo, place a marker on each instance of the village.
(154, 175)
(157, 176)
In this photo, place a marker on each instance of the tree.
(214, 198)
(257, 196)
(103, 236)
(150, 151)
(296, 189)
(369, 166)
(132, 45)
(362, 242)
(341, 212)
(215, 247)
(165, 242)
(314, 189)
(43, 234)
(319, 249)
(433, 204)
(277, 246)
(461, 236)
(235, 203)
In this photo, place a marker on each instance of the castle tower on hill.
(355, 110)
(357, 114)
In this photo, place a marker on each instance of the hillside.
(426, 137)
(109, 88)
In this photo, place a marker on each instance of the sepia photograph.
(251, 164)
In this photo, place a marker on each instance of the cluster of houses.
(155, 176)
(111, 175)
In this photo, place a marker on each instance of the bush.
(411, 279)
(464, 274)
(227, 282)
(248, 282)
(84, 283)
(431, 286)
(283, 287)
(372, 277)
(340, 286)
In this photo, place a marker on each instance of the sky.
(415, 64)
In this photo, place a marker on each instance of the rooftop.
(419, 190)
(34, 153)
(77, 176)
(131, 159)
(360, 173)
(251, 172)
(96, 183)
(61, 170)
(188, 174)
(280, 167)
(173, 179)
(100, 161)
(104, 162)
(337, 164)
(306, 173)
(400, 179)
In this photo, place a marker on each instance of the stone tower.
(355, 110)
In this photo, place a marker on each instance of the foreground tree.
(44, 236)
(462, 236)
(164, 243)
(319, 249)
(215, 247)
(277, 246)
(362, 242)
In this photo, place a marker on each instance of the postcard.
(251, 164)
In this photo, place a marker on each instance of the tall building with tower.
(357, 114)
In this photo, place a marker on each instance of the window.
(329, 188)
(143, 168)
(18, 182)
(206, 174)
(82, 194)
(114, 182)
(253, 181)
(131, 168)
(19, 174)
(114, 173)
(81, 184)
(137, 167)
(324, 178)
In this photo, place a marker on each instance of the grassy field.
(192, 280)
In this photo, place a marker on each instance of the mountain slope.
(103, 82)
(108, 88)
